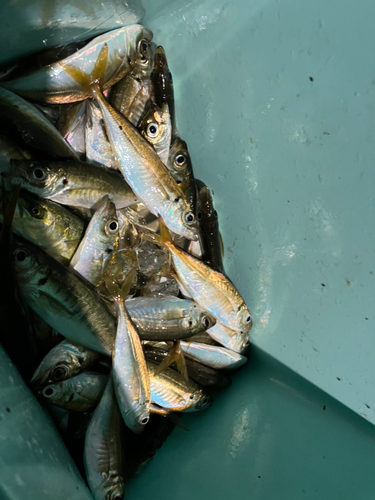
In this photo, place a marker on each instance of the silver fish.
(98, 244)
(98, 147)
(63, 361)
(156, 128)
(216, 357)
(72, 124)
(76, 184)
(79, 393)
(126, 47)
(237, 341)
(104, 450)
(63, 299)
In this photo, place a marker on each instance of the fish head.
(112, 486)
(200, 320)
(39, 177)
(58, 365)
(106, 224)
(156, 127)
(243, 319)
(54, 393)
(181, 220)
(140, 52)
(28, 269)
(179, 163)
(198, 400)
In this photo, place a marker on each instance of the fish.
(16, 332)
(162, 86)
(98, 147)
(63, 299)
(209, 288)
(76, 184)
(48, 225)
(131, 96)
(99, 243)
(216, 357)
(180, 166)
(209, 227)
(72, 124)
(79, 393)
(156, 128)
(104, 448)
(136, 159)
(130, 376)
(126, 46)
(34, 127)
(237, 341)
(167, 318)
(66, 360)
(170, 391)
(8, 151)
(204, 375)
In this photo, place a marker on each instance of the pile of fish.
(115, 306)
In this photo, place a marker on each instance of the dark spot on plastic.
(311, 79)
(42, 281)
(367, 405)
(259, 477)
(322, 284)
(8, 410)
(338, 378)
(366, 319)
(324, 407)
(347, 282)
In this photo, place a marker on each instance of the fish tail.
(9, 208)
(118, 293)
(162, 240)
(90, 83)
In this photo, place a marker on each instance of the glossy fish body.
(104, 448)
(171, 391)
(204, 375)
(98, 147)
(210, 289)
(48, 225)
(99, 243)
(156, 128)
(35, 128)
(63, 299)
(180, 166)
(209, 226)
(65, 360)
(216, 357)
(237, 341)
(162, 85)
(72, 125)
(52, 84)
(76, 184)
(167, 318)
(79, 393)
(130, 376)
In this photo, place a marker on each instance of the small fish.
(63, 299)
(76, 184)
(209, 226)
(48, 225)
(237, 341)
(209, 288)
(99, 243)
(104, 449)
(170, 391)
(130, 376)
(34, 127)
(180, 166)
(64, 361)
(98, 147)
(204, 375)
(79, 393)
(72, 124)
(216, 357)
(137, 160)
(156, 128)
(162, 85)
(167, 318)
(126, 46)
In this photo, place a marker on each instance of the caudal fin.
(120, 293)
(90, 83)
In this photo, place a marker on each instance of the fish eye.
(191, 396)
(180, 160)
(39, 173)
(152, 130)
(199, 215)
(59, 373)
(206, 322)
(248, 319)
(189, 218)
(112, 226)
(144, 45)
(144, 420)
(48, 392)
(37, 212)
(22, 257)
(205, 401)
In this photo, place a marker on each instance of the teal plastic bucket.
(276, 103)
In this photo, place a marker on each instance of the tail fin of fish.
(175, 355)
(118, 293)
(90, 83)
(162, 239)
